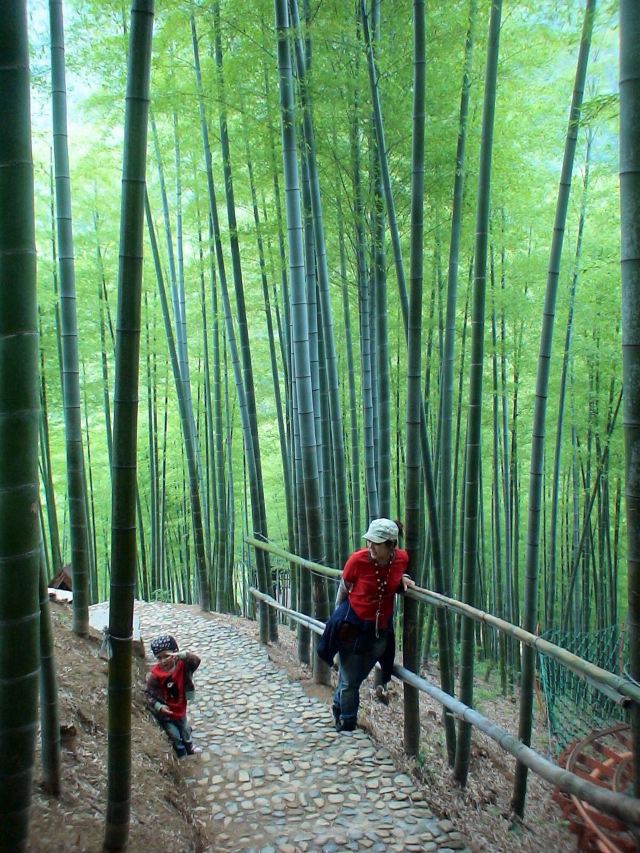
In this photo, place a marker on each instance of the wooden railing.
(615, 687)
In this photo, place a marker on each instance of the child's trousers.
(179, 733)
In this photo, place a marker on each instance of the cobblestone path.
(274, 776)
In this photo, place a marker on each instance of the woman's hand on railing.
(407, 582)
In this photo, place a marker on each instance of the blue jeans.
(179, 733)
(357, 659)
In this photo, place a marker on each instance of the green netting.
(574, 706)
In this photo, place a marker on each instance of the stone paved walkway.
(274, 776)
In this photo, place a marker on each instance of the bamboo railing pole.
(292, 558)
(578, 665)
(622, 806)
(311, 623)
(619, 805)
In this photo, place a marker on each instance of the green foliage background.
(538, 52)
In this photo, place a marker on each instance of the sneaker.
(345, 725)
(193, 750)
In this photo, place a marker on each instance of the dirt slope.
(161, 818)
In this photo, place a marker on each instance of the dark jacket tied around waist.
(344, 626)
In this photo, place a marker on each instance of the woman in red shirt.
(370, 579)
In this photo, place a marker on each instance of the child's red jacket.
(169, 687)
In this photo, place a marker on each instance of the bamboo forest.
(272, 269)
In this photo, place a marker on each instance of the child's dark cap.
(162, 643)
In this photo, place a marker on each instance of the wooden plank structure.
(62, 580)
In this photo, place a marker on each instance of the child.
(167, 686)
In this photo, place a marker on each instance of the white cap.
(382, 530)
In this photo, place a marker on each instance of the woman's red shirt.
(361, 576)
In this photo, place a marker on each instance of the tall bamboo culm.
(125, 423)
(630, 226)
(472, 479)
(19, 424)
(76, 484)
(540, 406)
(414, 377)
(300, 321)
(49, 717)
